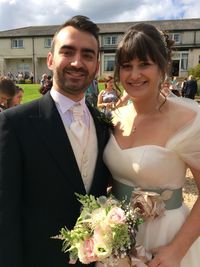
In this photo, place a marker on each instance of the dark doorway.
(175, 68)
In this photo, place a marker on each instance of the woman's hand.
(165, 256)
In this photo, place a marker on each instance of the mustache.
(78, 70)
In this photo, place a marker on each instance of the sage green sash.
(121, 191)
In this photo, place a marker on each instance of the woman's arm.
(172, 254)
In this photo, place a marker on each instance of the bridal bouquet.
(105, 231)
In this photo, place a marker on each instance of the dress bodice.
(147, 166)
(152, 166)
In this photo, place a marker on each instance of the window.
(184, 61)
(109, 62)
(17, 43)
(47, 42)
(23, 68)
(110, 40)
(175, 37)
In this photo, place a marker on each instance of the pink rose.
(116, 215)
(86, 251)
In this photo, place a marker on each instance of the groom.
(41, 163)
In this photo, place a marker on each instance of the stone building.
(23, 51)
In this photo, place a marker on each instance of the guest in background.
(175, 86)
(46, 86)
(191, 87)
(17, 98)
(7, 91)
(183, 85)
(108, 98)
(44, 79)
(91, 95)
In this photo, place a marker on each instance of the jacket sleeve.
(10, 196)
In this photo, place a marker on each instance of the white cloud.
(21, 13)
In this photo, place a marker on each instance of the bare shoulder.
(122, 114)
(181, 113)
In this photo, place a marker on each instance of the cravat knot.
(77, 112)
(78, 127)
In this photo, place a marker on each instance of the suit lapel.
(50, 127)
(101, 136)
(99, 129)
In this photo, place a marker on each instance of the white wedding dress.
(156, 167)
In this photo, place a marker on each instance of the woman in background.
(108, 98)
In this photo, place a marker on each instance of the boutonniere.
(105, 119)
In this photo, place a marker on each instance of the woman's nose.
(135, 73)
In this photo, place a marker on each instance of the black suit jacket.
(38, 178)
(191, 89)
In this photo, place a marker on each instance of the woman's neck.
(150, 106)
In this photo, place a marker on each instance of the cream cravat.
(78, 127)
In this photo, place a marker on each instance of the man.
(7, 91)
(191, 87)
(41, 162)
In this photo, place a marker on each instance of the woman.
(153, 143)
(109, 97)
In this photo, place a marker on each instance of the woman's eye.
(126, 66)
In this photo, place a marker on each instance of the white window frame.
(47, 42)
(108, 58)
(184, 61)
(110, 40)
(176, 37)
(17, 43)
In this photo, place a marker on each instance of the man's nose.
(77, 61)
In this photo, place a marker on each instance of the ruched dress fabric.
(156, 167)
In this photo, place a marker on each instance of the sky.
(23, 13)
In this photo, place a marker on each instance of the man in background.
(191, 87)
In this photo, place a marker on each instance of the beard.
(71, 84)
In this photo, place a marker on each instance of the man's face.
(74, 62)
(4, 99)
(17, 99)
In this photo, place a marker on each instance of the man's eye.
(88, 56)
(67, 52)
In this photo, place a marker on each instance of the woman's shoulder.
(122, 113)
(183, 112)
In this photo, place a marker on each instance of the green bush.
(195, 72)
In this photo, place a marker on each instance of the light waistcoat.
(87, 162)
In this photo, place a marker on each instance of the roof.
(113, 27)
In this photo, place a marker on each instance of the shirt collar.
(65, 103)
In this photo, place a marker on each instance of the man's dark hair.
(81, 23)
(7, 86)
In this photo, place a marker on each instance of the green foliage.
(195, 71)
(121, 236)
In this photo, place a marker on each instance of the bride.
(154, 141)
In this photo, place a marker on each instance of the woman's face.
(140, 79)
(110, 84)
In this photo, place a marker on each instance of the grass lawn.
(30, 92)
